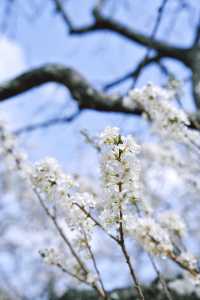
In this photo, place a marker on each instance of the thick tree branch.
(86, 96)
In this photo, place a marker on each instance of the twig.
(132, 74)
(95, 264)
(60, 8)
(88, 214)
(60, 231)
(47, 123)
(160, 278)
(153, 34)
(124, 250)
(73, 252)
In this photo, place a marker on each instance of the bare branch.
(82, 91)
(133, 74)
(105, 23)
(60, 9)
(48, 123)
(86, 96)
(157, 23)
(164, 49)
(197, 34)
(153, 35)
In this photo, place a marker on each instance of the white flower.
(48, 177)
(50, 256)
(120, 172)
(172, 222)
(167, 119)
(119, 165)
(109, 135)
(149, 234)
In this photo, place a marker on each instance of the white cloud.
(12, 59)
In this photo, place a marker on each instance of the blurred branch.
(157, 23)
(133, 74)
(153, 35)
(197, 34)
(164, 49)
(86, 96)
(47, 123)
(60, 9)
(105, 23)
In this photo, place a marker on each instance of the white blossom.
(51, 256)
(120, 172)
(168, 120)
(119, 165)
(150, 235)
(172, 222)
(48, 177)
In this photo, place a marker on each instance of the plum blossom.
(150, 235)
(171, 221)
(168, 120)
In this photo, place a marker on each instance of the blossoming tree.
(123, 209)
(142, 212)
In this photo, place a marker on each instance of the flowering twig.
(124, 250)
(61, 233)
(95, 264)
(97, 223)
(73, 252)
(161, 278)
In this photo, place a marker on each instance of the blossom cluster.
(9, 153)
(120, 171)
(13, 163)
(118, 207)
(120, 176)
(173, 223)
(156, 234)
(168, 120)
(62, 190)
(150, 235)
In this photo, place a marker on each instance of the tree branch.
(164, 49)
(60, 9)
(86, 96)
(133, 74)
(47, 123)
(197, 34)
(82, 91)
(104, 23)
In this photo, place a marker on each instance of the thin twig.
(152, 37)
(60, 8)
(161, 278)
(95, 264)
(47, 123)
(73, 252)
(88, 214)
(60, 231)
(124, 250)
